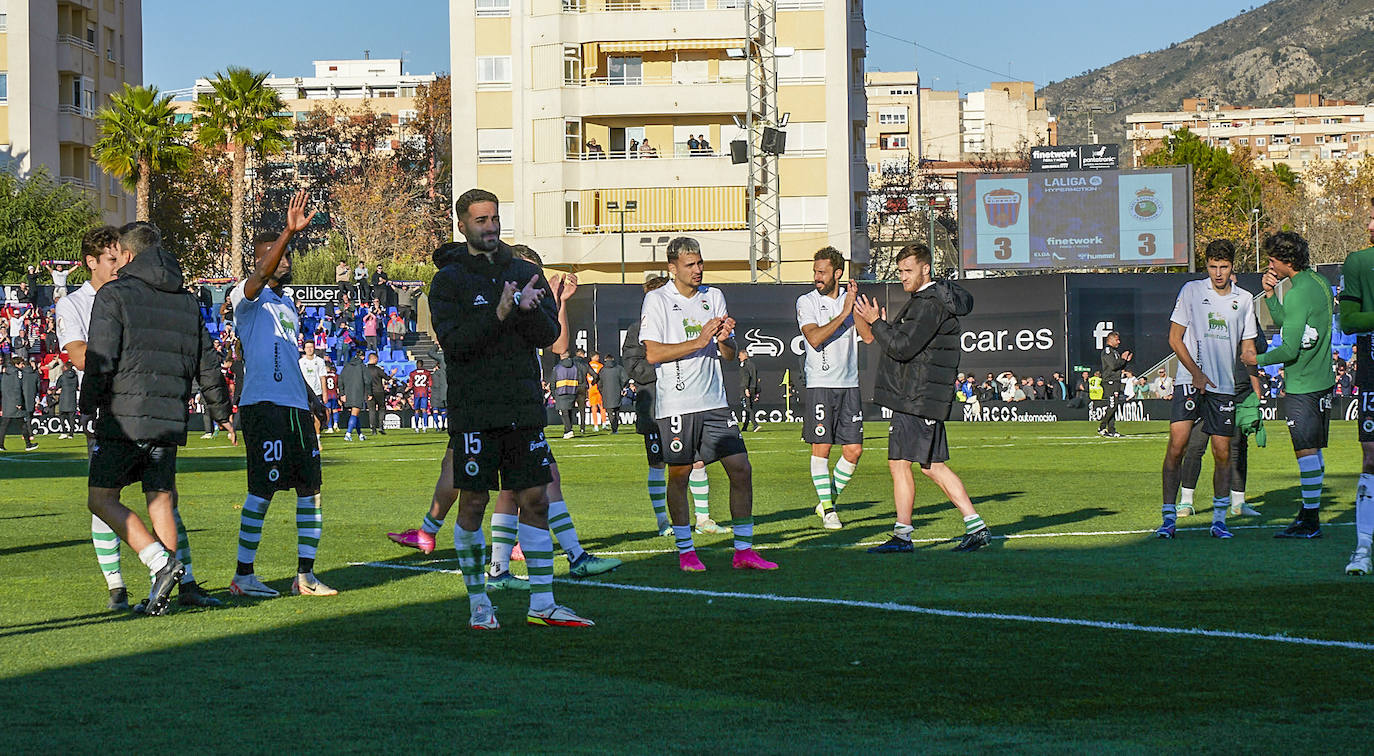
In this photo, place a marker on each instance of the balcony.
(626, 96)
(75, 126)
(73, 55)
(636, 6)
(708, 208)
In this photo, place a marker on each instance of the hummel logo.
(676, 308)
(480, 300)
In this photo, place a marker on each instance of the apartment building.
(59, 62)
(1313, 128)
(570, 110)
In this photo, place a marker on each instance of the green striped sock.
(250, 528)
(658, 494)
(561, 524)
(744, 533)
(106, 552)
(503, 533)
(309, 524)
(973, 523)
(431, 525)
(538, 545)
(820, 479)
(183, 546)
(844, 470)
(700, 485)
(472, 553)
(1311, 471)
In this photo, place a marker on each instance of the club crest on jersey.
(1216, 322)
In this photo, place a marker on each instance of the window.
(493, 72)
(493, 8)
(406, 116)
(856, 58)
(494, 145)
(806, 139)
(1280, 140)
(892, 116)
(802, 213)
(802, 67)
(572, 138)
(860, 211)
(900, 91)
(87, 97)
(625, 69)
(689, 5)
(572, 65)
(1243, 140)
(4, 86)
(872, 169)
(893, 142)
(90, 35)
(110, 45)
(114, 185)
(1321, 139)
(1259, 141)
(4, 14)
(572, 215)
(1354, 137)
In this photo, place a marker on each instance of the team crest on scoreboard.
(1146, 206)
(1003, 207)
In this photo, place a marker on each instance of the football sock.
(903, 531)
(1185, 497)
(472, 551)
(309, 522)
(250, 531)
(538, 546)
(1219, 506)
(503, 534)
(820, 478)
(155, 557)
(973, 523)
(1237, 498)
(844, 470)
(701, 492)
(352, 423)
(106, 552)
(183, 547)
(658, 494)
(431, 525)
(682, 536)
(561, 524)
(1364, 511)
(744, 533)
(1310, 474)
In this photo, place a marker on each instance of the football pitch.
(1075, 629)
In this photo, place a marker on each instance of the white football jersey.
(267, 327)
(693, 383)
(836, 363)
(1215, 326)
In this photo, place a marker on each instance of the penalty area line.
(888, 606)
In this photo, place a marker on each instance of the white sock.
(1237, 498)
(155, 557)
(504, 532)
(1185, 497)
(1364, 511)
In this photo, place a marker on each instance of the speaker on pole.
(739, 151)
(774, 141)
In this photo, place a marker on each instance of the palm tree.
(140, 135)
(241, 113)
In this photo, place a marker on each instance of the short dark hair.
(1221, 249)
(1288, 248)
(683, 245)
(139, 236)
(265, 237)
(919, 251)
(528, 255)
(1114, 333)
(97, 239)
(832, 256)
(471, 197)
(657, 282)
(419, 364)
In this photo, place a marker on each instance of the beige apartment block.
(59, 63)
(562, 107)
(1313, 128)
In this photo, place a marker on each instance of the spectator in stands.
(406, 294)
(1344, 382)
(26, 290)
(1042, 389)
(1059, 388)
(1128, 385)
(341, 274)
(395, 332)
(381, 289)
(1164, 385)
(633, 151)
(1336, 362)
(1007, 385)
(704, 145)
(1096, 388)
(362, 292)
(59, 275)
(1279, 385)
(370, 328)
(594, 150)
(988, 391)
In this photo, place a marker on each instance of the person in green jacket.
(1304, 321)
(1357, 316)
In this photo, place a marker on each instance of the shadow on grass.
(28, 516)
(32, 547)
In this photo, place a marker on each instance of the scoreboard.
(1087, 219)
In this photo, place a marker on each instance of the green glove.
(1250, 420)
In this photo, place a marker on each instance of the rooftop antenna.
(367, 55)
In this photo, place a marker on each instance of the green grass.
(389, 663)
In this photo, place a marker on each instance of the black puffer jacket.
(18, 390)
(68, 385)
(146, 344)
(493, 370)
(920, 352)
(353, 383)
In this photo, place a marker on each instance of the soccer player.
(1304, 321)
(420, 382)
(145, 344)
(278, 428)
(491, 312)
(826, 318)
(313, 368)
(1357, 316)
(102, 257)
(330, 381)
(686, 330)
(915, 379)
(1213, 319)
(1114, 360)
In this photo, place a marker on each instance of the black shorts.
(505, 459)
(917, 439)
(644, 410)
(116, 463)
(833, 416)
(1216, 411)
(1309, 419)
(653, 447)
(707, 436)
(283, 450)
(1364, 376)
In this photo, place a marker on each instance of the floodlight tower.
(762, 123)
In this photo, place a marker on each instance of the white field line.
(929, 611)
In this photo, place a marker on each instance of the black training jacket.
(146, 344)
(920, 352)
(494, 378)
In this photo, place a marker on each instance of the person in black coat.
(919, 362)
(748, 390)
(376, 394)
(67, 385)
(353, 390)
(18, 397)
(146, 345)
(612, 381)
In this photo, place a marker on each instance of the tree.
(42, 219)
(426, 151)
(241, 114)
(909, 206)
(380, 214)
(192, 208)
(1333, 211)
(140, 136)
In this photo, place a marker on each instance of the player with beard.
(275, 410)
(826, 318)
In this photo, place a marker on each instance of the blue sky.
(1044, 41)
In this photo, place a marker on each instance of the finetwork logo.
(1101, 331)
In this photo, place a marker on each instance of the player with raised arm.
(826, 318)
(1304, 351)
(686, 330)
(1212, 321)
(1357, 316)
(275, 410)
